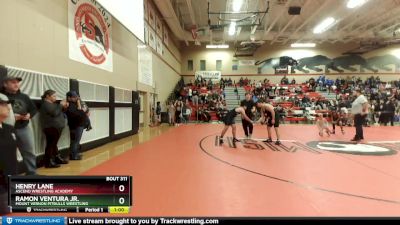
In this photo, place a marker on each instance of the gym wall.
(35, 37)
(384, 62)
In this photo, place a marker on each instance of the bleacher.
(293, 114)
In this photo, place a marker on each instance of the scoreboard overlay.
(97, 194)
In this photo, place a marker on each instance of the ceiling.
(375, 21)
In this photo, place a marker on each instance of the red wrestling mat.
(185, 172)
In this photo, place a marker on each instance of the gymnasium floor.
(182, 171)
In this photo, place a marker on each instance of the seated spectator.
(284, 80)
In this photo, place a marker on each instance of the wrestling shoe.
(269, 140)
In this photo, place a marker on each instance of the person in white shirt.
(359, 109)
(190, 93)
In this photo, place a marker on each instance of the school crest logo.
(90, 33)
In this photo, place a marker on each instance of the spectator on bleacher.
(212, 104)
(76, 122)
(190, 93)
(293, 81)
(190, 83)
(204, 97)
(258, 85)
(223, 94)
(53, 122)
(24, 109)
(246, 81)
(220, 105)
(223, 83)
(241, 81)
(230, 81)
(285, 80)
(312, 84)
(195, 98)
(210, 84)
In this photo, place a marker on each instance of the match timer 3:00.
(96, 194)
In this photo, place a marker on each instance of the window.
(235, 65)
(219, 65)
(202, 65)
(190, 65)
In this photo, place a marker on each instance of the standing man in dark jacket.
(53, 122)
(24, 109)
(249, 109)
(76, 122)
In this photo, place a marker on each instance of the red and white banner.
(90, 34)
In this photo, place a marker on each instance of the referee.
(249, 108)
(359, 108)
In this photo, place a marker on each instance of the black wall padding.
(135, 112)
(112, 112)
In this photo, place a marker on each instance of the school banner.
(90, 34)
(213, 75)
(246, 62)
(145, 70)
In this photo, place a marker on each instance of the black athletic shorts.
(230, 117)
(229, 120)
(269, 120)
